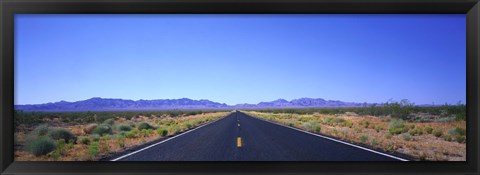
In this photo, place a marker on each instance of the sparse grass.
(105, 140)
(387, 133)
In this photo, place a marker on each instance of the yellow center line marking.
(239, 142)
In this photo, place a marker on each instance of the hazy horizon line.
(289, 100)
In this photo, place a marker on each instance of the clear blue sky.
(240, 58)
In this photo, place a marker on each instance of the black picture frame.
(11, 7)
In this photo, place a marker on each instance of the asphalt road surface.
(239, 137)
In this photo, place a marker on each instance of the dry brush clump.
(436, 141)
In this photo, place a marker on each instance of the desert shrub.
(102, 129)
(317, 129)
(162, 132)
(89, 128)
(406, 137)
(61, 147)
(364, 138)
(365, 124)
(388, 136)
(93, 149)
(416, 131)
(396, 123)
(132, 134)
(290, 124)
(41, 145)
(95, 137)
(447, 138)
(304, 119)
(307, 126)
(457, 131)
(105, 137)
(121, 141)
(349, 124)
(131, 124)
(61, 133)
(437, 133)
(109, 122)
(338, 120)
(326, 120)
(144, 125)
(460, 139)
(374, 142)
(85, 140)
(124, 128)
(390, 148)
(429, 129)
(40, 130)
(397, 126)
(188, 125)
(344, 133)
(146, 132)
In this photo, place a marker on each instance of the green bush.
(396, 123)
(447, 138)
(188, 125)
(109, 122)
(364, 138)
(162, 132)
(349, 124)
(144, 125)
(326, 120)
(40, 146)
(93, 149)
(290, 124)
(437, 133)
(416, 131)
(132, 133)
(318, 129)
(460, 139)
(41, 130)
(397, 126)
(85, 140)
(429, 130)
(374, 142)
(406, 136)
(365, 124)
(124, 128)
(61, 147)
(307, 126)
(457, 131)
(95, 137)
(102, 129)
(121, 141)
(61, 133)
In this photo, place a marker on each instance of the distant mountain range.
(107, 104)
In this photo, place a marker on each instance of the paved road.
(260, 141)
